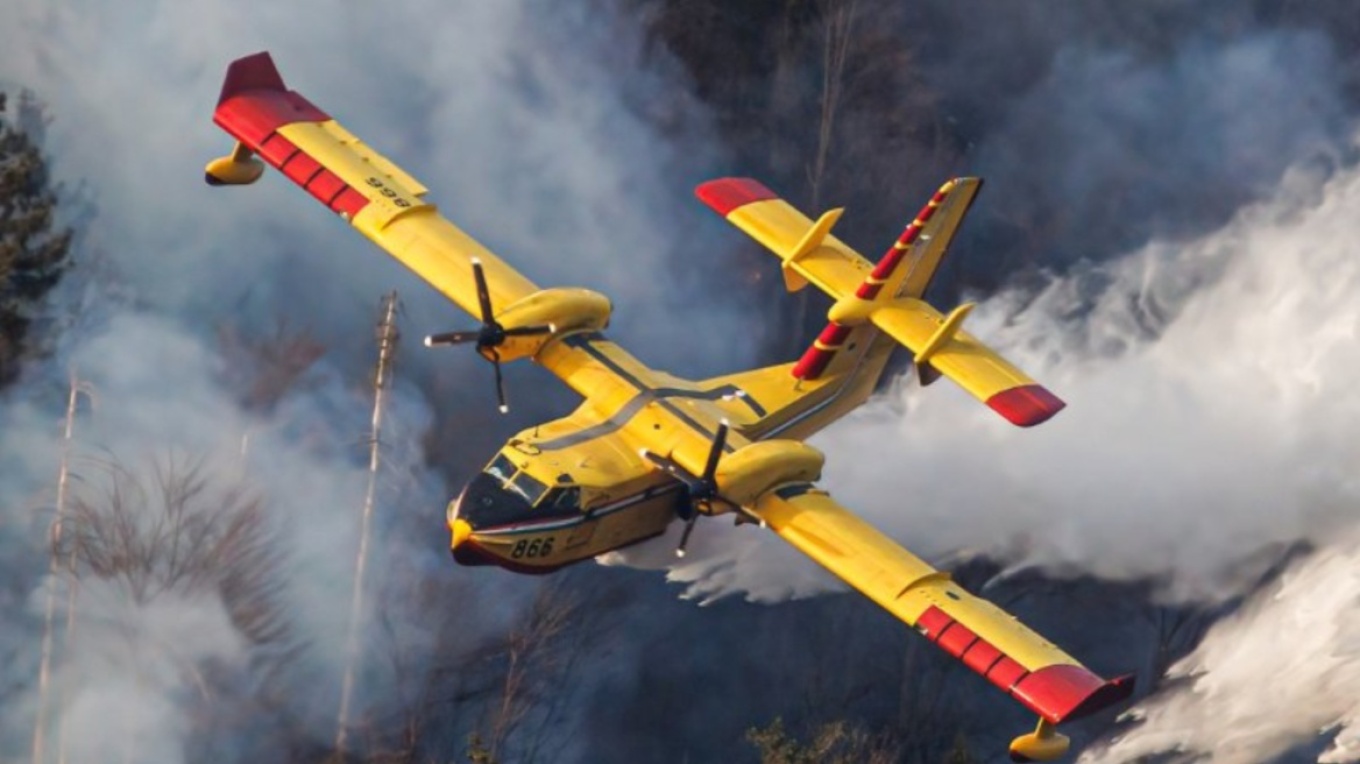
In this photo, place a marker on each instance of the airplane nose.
(461, 530)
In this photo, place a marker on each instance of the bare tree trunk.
(53, 569)
(387, 341)
(838, 21)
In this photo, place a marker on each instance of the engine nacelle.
(565, 309)
(754, 469)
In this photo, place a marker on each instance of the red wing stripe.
(933, 621)
(277, 150)
(727, 194)
(1006, 673)
(349, 202)
(326, 186)
(981, 656)
(956, 639)
(301, 169)
(1058, 692)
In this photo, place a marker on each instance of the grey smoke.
(549, 160)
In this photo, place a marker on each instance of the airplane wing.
(886, 294)
(986, 638)
(360, 185)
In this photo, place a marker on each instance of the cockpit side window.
(501, 468)
(562, 500)
(525, 485)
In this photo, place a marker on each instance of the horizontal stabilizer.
(940, 343)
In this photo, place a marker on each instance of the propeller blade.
(743, 515)
(714, 453)
(500, 382)
(483, 294)
(684, 537)
(674, 469)
(451, 338)
(529, 331)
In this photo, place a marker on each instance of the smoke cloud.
(551, 160)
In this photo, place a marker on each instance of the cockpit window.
(501, 468)
(525, 485)
(562, 500)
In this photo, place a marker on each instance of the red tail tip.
(253, 72)
(1026, 406)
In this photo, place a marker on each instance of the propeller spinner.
(490, 336)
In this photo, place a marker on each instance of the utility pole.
(387, 336)
(53, 570)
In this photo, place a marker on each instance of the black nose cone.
(485, 504)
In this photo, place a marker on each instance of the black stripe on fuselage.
(646, 394)
(594, 513)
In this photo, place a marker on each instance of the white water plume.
(1272, 676)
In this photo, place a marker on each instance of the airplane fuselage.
(580, 486)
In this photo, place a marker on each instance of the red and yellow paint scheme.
(645, 447)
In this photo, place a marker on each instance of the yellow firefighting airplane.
(646, 447)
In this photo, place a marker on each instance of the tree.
(33, 250)
(149, 549)
(835, 742)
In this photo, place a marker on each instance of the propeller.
(491, 335)
(701, 490)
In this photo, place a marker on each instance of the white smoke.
(549, 159)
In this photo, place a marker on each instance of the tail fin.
(909, 265)
(906, 269)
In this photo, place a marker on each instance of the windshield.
(501, 468)
(525, 485)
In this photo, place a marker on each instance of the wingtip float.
(646, 448)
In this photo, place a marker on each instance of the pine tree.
(33, 252)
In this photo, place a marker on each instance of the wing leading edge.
(984, 637)
(360, 185)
